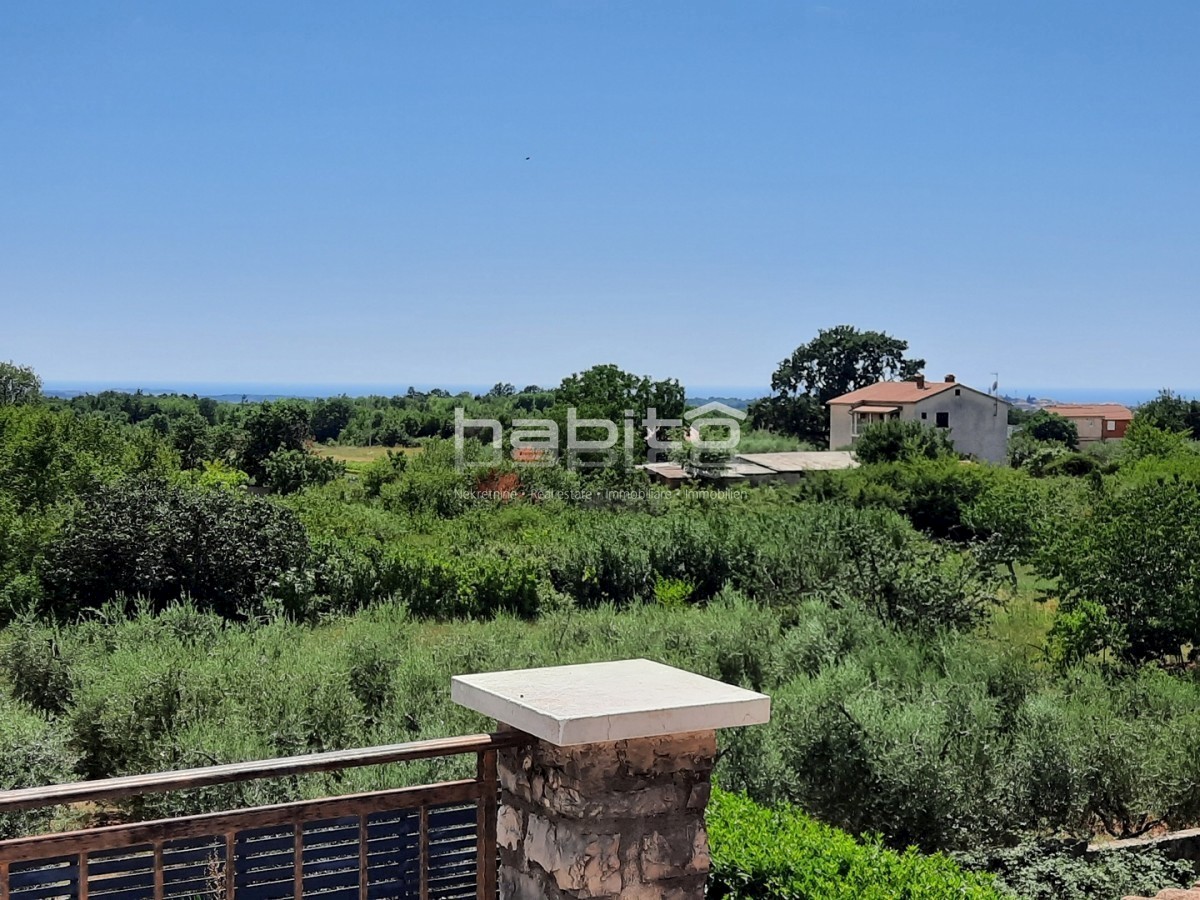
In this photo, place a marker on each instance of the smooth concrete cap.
(609, 701)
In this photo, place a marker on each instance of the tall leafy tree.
(1127, 575)
(18, 385)
(270, 427)
(330, 416)
(835, 362)
(1171, 412)
(608, 392)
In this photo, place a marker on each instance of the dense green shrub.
(1074, 465)
(438, 585)
(1143, 439)
(779, 853)
(932, 494)
(385, 470)
(944, 742)
(1013, 514)
(161, 540)
(47, 456)
(1032, 456)
(287, 471)
(898, 440)
(32, 752)
(32, 662)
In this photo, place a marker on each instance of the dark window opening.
(958, 392)
(943, 420)
(924, 415)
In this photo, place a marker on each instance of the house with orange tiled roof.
(1095, 421)
(977, 422)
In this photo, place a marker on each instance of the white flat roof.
(608, 701)
(802, 460)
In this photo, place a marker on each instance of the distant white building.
(977, 422)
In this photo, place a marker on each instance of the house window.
(1110, 425)
(861, 420)
(924, 415)
(943, 420)
(958, 392)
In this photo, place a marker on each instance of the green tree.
(270, 427)
(1171, 412)
(837, 361)
(189, 435)
(330, 416)
(1047, 426)
(1006, 518)
(1131, 567)
(607, 392)
(18, 385)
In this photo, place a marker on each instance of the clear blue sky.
(339, 192)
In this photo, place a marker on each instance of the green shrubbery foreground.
(947, 744)
(781, 853)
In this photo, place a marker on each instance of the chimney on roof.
(920, 379)
(950, 379)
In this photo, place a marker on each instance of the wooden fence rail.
(434, 842)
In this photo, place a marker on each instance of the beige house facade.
(977, 422)
(1095, 421)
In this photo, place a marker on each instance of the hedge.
(779, 853)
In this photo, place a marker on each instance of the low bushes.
(782, 854)
(944, 742)
(32, 752)
(1054, 871)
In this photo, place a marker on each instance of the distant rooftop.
(1114, 411)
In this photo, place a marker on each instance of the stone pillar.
(606, 798)
(614, 819)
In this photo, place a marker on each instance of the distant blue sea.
(1127, 396)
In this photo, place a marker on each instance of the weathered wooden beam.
(183, 779)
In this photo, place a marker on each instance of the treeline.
(396, 421)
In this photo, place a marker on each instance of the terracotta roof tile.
(895, 392)
(1113, 411)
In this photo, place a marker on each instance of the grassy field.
(1026, 618)
(357, 457)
